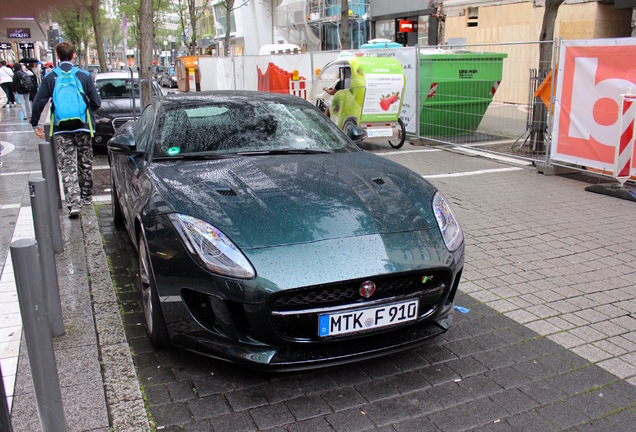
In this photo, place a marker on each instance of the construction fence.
(475, 96)
(484, 96)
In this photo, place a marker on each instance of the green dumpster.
(456, 89)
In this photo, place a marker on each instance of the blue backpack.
(70, 103)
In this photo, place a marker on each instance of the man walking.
(6, 82)
(72, 136)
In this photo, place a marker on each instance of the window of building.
(472, 16)
(220, 12)
(422, 30)
(385, 29)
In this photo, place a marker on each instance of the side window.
(144, 126)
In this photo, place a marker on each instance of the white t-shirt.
(6, 75)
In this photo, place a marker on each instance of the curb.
(124, 399)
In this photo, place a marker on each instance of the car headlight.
(447, 222)
(213, 249)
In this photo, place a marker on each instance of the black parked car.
(267, 237)
(116, 91)
(158, 71)
(168, 78)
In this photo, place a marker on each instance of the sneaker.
(73, 213)
(87, 201)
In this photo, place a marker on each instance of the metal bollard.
(50, 140)
(37, 332)
(5, 417)
(49, 172)
(40, 207)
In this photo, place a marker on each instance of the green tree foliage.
(190, 13)
(71, 25)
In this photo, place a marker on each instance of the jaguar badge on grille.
(367, 289)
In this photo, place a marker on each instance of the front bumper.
(268, 323)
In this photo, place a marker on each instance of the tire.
(348, 122)
(153, 315)
(118, 216)
(396, 144)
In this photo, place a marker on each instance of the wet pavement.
(548, 342)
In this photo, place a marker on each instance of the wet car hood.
(118, 107)
(265, 201)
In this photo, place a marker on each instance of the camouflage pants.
(75, 162)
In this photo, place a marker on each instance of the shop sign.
(19, 33)
(406, 26)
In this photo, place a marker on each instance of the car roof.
(115, 75)
(191, 98)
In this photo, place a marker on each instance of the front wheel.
(401, 135)
(153, 315)
(349, 122)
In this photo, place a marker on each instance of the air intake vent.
(226, 192)
(378, 180)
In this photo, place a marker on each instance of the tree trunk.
(182, 11)
(84, 55)
(97, 26)
(192, 8)
(540, 113)
(229, 6)
(344, 25)
(145, 61)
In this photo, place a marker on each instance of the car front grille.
(295, 313)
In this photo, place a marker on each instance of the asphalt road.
(549, 342)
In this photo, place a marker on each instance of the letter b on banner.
(585, 97)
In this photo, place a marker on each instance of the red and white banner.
(592, 76)
(625, 148)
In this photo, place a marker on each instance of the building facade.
(483, 22)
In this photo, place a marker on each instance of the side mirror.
(124, 143)
(355, 133)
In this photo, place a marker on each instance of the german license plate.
(379, 132)
(367, 319)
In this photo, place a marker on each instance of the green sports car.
(267, 237)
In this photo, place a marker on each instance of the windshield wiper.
(195, 156)
(283, 151)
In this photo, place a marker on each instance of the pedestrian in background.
(3, 102)
(23, 84)
(36, 77)
(6, 82)
(73, 138)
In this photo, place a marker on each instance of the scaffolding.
(316, 23)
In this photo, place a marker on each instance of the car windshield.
(117, 88)
(242, 127)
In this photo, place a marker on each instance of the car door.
(132, 192)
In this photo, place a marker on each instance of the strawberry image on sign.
(388, 100)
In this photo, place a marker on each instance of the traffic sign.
(26, 45)
(5, 46)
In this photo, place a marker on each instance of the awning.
(21, 30)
